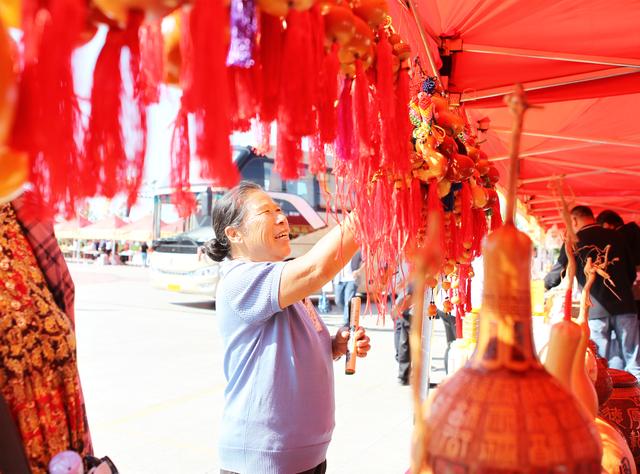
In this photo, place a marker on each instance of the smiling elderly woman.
(279, 401)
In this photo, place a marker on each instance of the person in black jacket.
(629, 231)
(631, 234)
(613, 308)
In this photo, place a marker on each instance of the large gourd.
(503, 412)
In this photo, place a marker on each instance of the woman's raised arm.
(307, 274)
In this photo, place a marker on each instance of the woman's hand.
(340, 340)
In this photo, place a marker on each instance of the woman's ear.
(233, 234)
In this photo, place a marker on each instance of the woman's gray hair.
(228, 211)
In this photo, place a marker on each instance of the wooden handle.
(354, 322)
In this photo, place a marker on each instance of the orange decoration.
(118, 10)
(14, 172)
(338, 23)
(10, 14)
(171, 30)
(8, 87)
(373, 12)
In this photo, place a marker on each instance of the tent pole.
(543, 199)
(565, 175)
(632, 170)
(596, 141)
(548, 83)
(425, 45)
(548, 151)
(551, 55)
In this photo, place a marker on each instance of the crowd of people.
(613, 316)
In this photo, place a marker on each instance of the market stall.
(417, 147)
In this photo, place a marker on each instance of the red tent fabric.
(580, 60)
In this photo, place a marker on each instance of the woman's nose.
(281, 218)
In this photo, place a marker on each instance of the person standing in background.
(613, 309)
(631, 234)
(144, 250)
(346, 286)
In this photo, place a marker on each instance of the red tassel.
(288, 156)
(272, 37)
(103, 146)
(496, 217)
(135, 126)
(47, 117)
(452, 242)
(151, 60)
(328, 90)
(361, 95)
(466, 215)
(479, 230)
(297, 91)
(243, 85)
(345, 140)
(386, 98)
(317, 158)
(459, 312)
(403, 124)
(212, 111)
(434, 245)
(182, 197)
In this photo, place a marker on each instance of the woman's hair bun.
(217, 250)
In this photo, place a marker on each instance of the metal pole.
(425, 45)
(551, 55)
(549, 83)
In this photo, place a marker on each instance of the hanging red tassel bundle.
(317, 157)
(244, 96)
(208, 23)
(434, 248)
(182, 197)
(466, 215)
(386, 99)
(328, 90)
(296, 114)
(135, 123)
(151, 60)
(103, 142)
(272, 37)
(479, 231)
(288, 158)
(48, 117)
(403, 124)
(496, 217)
(361, 111)
(345, 139)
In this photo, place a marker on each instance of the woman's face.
(265, 230)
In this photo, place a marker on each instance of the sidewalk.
(151, 369)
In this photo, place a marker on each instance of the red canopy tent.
(580, 61)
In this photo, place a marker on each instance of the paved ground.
(151, 368)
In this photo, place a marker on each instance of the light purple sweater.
(279, 401)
